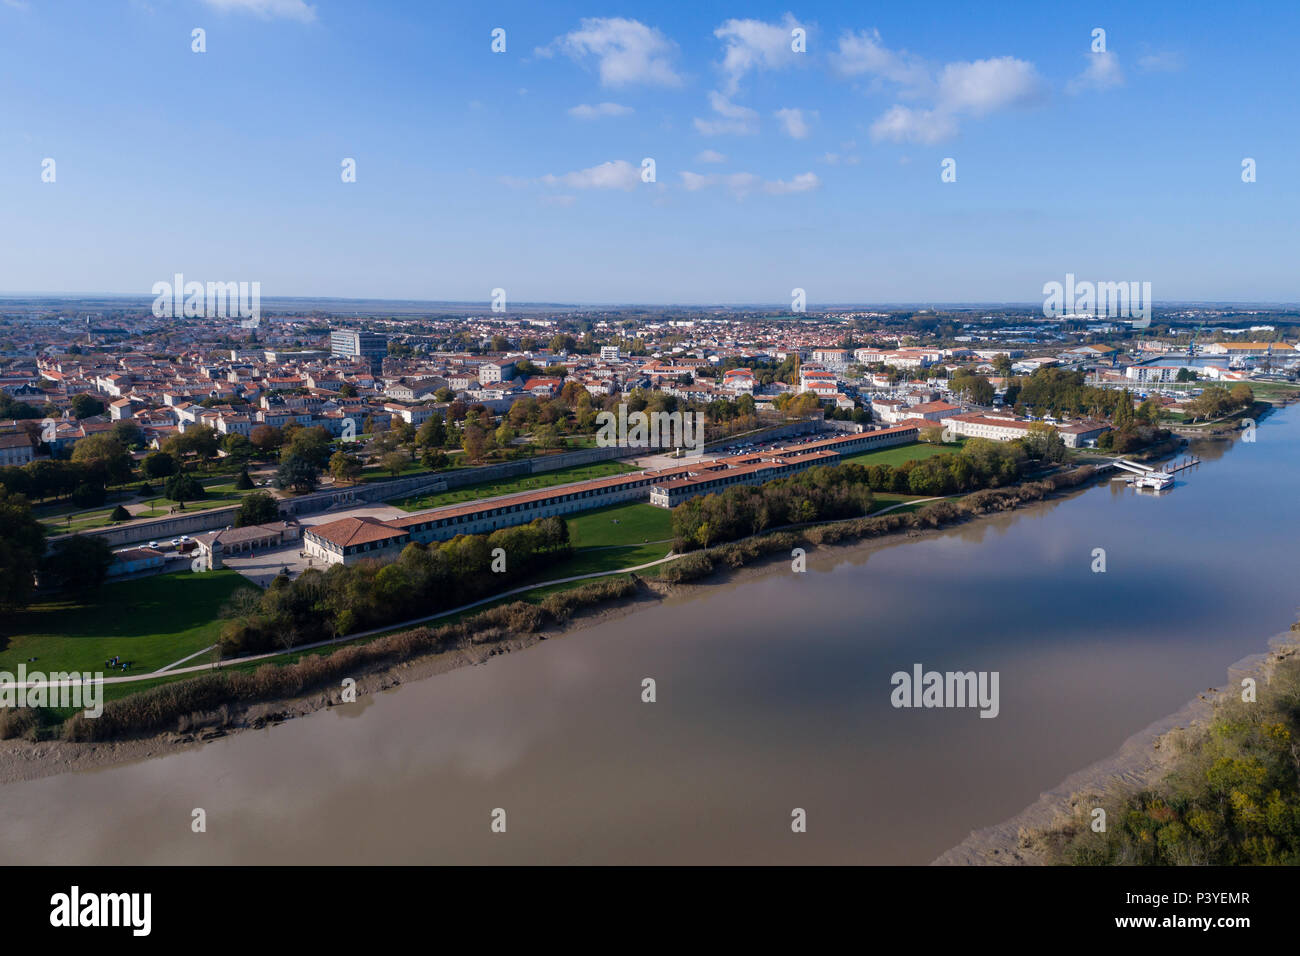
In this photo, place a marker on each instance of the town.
(310, 440)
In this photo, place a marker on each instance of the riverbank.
(1141, 762)
(854, 539)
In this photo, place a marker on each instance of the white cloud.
(901, 124)
(628, 52)
(289, 9)
(947, 94)
(1166, 62)
(847, 155)
(799, 184)
(710, 156)
(863, 53)
(752, 45)
(587, 111)
(987, 85)
(741, 185)
(1102, 73)
(560, 200)
(617, 174)
(793, 122)
(733, 118)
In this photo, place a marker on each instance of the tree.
(85, 406)
(474, 442)
(199, 440)
(311, 444)
(394, 462)
(1044, 442)
(119, 514)
(130, 434)
(87, 495)
(266, 438)
(237, 448)
(433, 459)
(183, 487)
(345, 467)
(22, 545)
(78, 563)
(107, 454)
(258, 507)
(159, 464)
(972, 388)
(244, 482)
(298, 473)
(433, 433)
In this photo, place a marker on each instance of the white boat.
(1155, 480)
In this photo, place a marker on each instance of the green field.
(507, 486)
(150, 621)
(899, 454)
(625, 524)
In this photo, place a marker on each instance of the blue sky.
(821, 170)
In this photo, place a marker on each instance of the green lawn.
(151, 621)
(625, 524)
(491, 489)
(899, 454)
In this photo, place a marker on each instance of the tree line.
(425, 579)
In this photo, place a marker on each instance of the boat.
(1154, 480)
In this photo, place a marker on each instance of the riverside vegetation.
(1232, 796)
(425, 579)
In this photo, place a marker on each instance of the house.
(498, 370)
(739, 380)
(15, 449)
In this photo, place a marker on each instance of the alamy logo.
(74, 908)
(922, 688)
(215, 300)
(650, 430)
(62, 689)
(1116, 300)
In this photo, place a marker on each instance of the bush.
(120, 514)
(688, 568)
(243, 482)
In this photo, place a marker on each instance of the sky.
(773, 169)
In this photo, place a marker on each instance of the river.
(773, 693)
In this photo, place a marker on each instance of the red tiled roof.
(351, 531)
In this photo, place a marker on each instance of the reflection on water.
(773, 693)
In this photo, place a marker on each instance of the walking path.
(133, 678)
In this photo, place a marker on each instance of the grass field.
(902, 453)
(625, 524)
(490, 489)
(150, 621)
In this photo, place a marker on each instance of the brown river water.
(773, 693)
